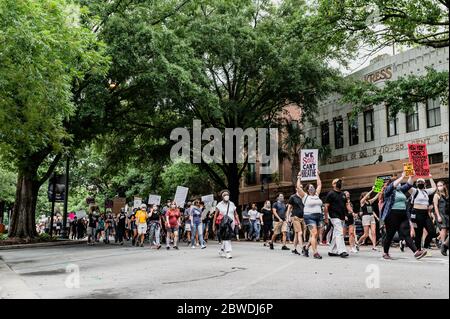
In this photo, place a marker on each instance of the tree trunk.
(23, 223)
(2, 210)
(233, 183)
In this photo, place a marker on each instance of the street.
(254, 272)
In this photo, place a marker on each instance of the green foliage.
(381, 23)
(3, 236)
(8, 180)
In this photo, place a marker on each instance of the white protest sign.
(309, 164)
(208, 199)
(137, 202)
(181, 195)
(154, 199)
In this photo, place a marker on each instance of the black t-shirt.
(297, 205)
(281, 209)
(337, 201)
(92, 221)
(267, 215)
(367, 209)
(154, 217)
(122, 220)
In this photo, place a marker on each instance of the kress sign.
(381, 74)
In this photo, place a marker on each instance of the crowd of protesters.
(406, 210)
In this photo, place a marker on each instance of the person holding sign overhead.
(419, 214)
(368, 217)
(395, 215)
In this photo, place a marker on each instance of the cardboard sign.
(118, 203)
(154, 199)
(418, 156)
(181, 195)
(208, 199)
(378, 185)
(408, 168)
(137, 202)
(309, 164)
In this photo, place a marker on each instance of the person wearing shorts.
(280, 224)
(141, 222)
(349, 226)
(368, 218)
(295, 215)
(173, 216)
(312, 212)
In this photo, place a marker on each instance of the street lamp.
(380, 159)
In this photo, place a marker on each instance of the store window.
(325, 132)
(433, 113)
(435, 158)
(392, 123)
(368, 126)
(353, 130)
(412, 119)
(338, 132)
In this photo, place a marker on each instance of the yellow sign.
(408, 169)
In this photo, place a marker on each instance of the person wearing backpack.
(419, 213)
(312, 212)
(229, 219)
(441, 209)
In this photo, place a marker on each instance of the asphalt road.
(254, 272)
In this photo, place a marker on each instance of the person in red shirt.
(173, 216)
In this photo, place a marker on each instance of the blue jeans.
(194, 229)
(154, 235)
(255, 229)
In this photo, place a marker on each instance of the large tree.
(231, 64)
(46, 51)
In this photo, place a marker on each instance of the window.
(325, 131)
(433, 113)
(368, 126)
(391, 124)
(436, 158)
(338, 133)
(353, 130)
(412, 120)
(251, 174)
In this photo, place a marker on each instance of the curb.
(50, 244)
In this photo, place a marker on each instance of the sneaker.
(271, 246)
(420, 254)
(192, 247)
(374, 249)
(357, 247)
(167, 247)
(228, 256)
(197, 245)
(354, 250)
(203, 246)
(305, 251)
(295, 252)
(284, 248)
(317, 256)
(158, 247)
(175, 247)
(344, 255)
(142, 245)
(333, 255)
(402, 246)
(121, 244)
(387, 257)
(444, 249)
(221, 253)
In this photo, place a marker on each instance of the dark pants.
(267, 230)
(422, 221)
(397, 221)
(120, 233)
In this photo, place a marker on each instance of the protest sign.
(118, 203)
(154, 199)
(408, 169)
(309, 164)
(208, 199)
(378, 185)
(418, 156)
(181, 195)
(137, 202)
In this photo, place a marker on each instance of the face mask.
(420, 186)
(339, 184)
(441, 188)
(226, 198)
(173, 206)
(312, 190)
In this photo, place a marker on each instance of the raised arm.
(319, 184)
(433, 186)
(399, 180)
(371, 201)
(366, 197)
(300, 190)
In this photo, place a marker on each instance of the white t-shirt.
(222, 208)
(254, 214)
(312, 205)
